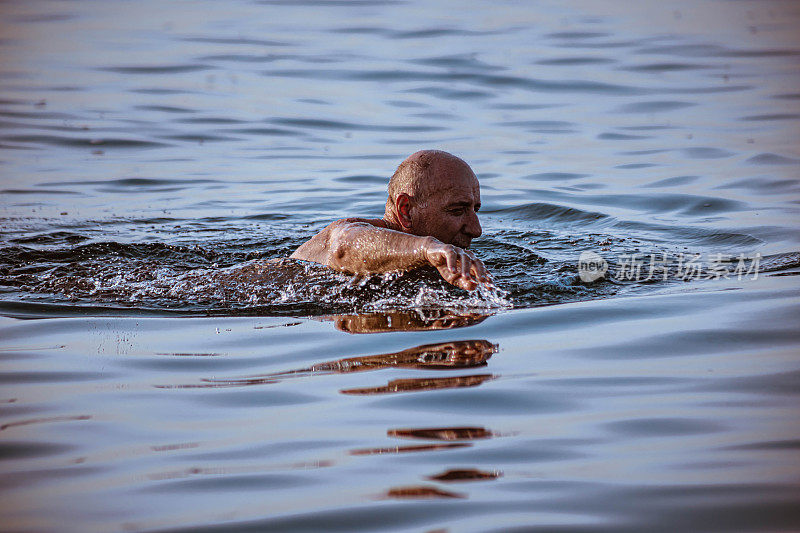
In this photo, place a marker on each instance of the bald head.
(434, 193)
(425, 173)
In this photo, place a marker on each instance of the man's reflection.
(444, 355)
(405, 320)
(421, 384)
(441, 356)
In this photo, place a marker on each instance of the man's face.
(452, 205)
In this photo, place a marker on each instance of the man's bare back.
(430, 219)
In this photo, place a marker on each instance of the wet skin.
(435, 227)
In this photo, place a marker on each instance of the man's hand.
(457, 266)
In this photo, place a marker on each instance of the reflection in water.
(421, 384)
(421, 491)
(446, 355)
(456, 354)
(406, 449)
(467, 474)
(448, 476)
(453, 433)
(406, 320)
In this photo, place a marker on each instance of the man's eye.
(457, 212)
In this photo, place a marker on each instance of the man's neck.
(390, 219)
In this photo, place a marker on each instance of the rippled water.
(155, 158)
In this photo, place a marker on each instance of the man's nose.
(473, 227)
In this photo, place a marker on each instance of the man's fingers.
(451, 259)
(459, 267)
(478, 270)
(466, 265)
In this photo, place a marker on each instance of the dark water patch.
(764, 185)
(208, 120)
(688, 50)
(429, 33)
(709, 90)
(160, 91)
(50, 377)
(599, 45)
(706, 152)
(265, 58)
(542, 126)
(51, 238)
(43, 420)
(44, 115)
(530, 84)
(38, 191)
(15, 450)
(14, 101)
(268, 216)
(767, 52)
(462, 61)
(157, 69)
(768, 445)
(575, 61)
(772, 159)
(521, 106)
(12, 147)
(665, 67)
(576, 35)
(548, 212)
(453, 94)
(771, 116)
(611, 136)
(224, 482)
(136, 183)
(653, 107)
(267, 131)
(634, 166)
(362, 179)
(555, 176)
(787, 96)
(673, 182)
(234, 40)
(649, 127)
(661, 427)
(51, 17)
(361, 30)
(782, 383)
(197, 138)
(164, 109)
(344, 126)
(84, 142)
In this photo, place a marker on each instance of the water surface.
(156, 375)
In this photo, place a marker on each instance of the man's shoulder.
(318, 247)
(378, 222)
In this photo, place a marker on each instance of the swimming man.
(430, 219)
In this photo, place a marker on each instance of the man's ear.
(403, 206)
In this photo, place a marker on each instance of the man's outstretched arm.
(359, 246)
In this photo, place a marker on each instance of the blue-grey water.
(156, 373)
